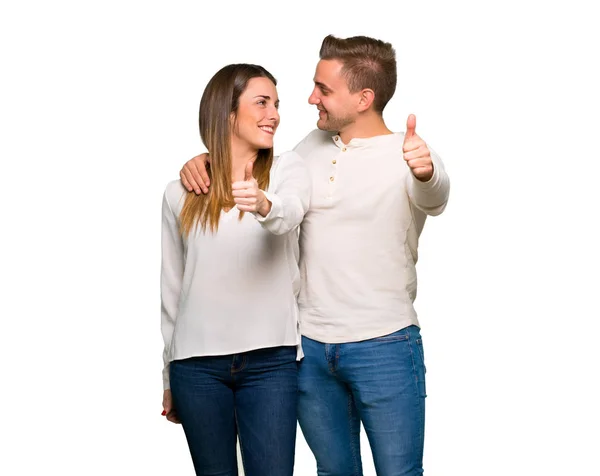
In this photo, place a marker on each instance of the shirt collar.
(361, 141)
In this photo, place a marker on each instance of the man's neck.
(364, 127)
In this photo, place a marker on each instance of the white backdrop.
(99, 111)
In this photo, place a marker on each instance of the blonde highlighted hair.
(219, 100)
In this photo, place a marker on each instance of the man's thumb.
(411, 124)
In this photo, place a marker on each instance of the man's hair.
(368, 63)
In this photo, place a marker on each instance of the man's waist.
(337, 329)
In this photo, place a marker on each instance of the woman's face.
(257, 117)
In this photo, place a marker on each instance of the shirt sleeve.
(171, 278)
(430, 197)
(289, 195)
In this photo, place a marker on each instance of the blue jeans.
(253, 394)
(380, 382)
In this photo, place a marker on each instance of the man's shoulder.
(314, 139)
(390, 140)
(288, 157)
(384, 145)
(289, 162)
(318, 135)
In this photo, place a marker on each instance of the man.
(372, 190)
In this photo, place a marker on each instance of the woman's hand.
(168, 410)
(248, 197)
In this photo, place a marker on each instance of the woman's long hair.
(219, 101)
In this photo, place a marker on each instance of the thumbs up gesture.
(416, 152)
(248, 197)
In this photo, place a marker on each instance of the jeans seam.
(239, 438)
(416, 375)
(419, 344)
(352, 437)
(420, 398)
(331, 366)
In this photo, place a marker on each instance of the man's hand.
(168, 410)
(416, 152)
(248, 197)
(193, 174)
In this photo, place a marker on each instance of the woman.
(229, 281)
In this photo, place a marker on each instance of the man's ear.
(365, 99)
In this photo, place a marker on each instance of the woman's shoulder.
(174, 192)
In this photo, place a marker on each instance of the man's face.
(337, 107)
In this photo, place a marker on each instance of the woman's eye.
(262, 102)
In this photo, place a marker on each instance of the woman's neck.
(240, 156)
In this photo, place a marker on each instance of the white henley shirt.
(358, 241)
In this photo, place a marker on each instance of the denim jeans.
(253, 395)
(380, 382)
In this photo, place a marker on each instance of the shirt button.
(336, 138)
(331, 179)
(344, 149)
(334, 161)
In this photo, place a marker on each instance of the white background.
(98, 112)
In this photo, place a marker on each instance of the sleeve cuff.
(276, 209)
(431, 183)
(165, 375)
